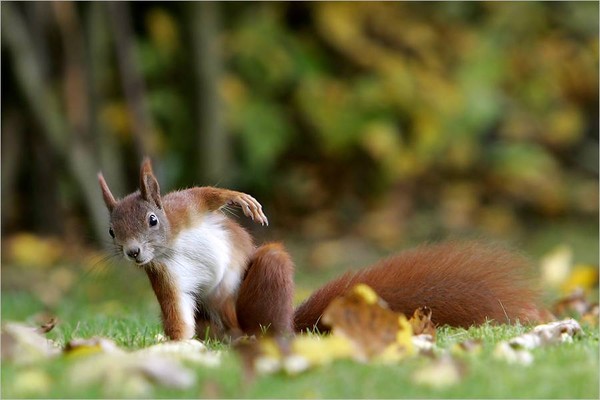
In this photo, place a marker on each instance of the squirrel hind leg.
(266, 293)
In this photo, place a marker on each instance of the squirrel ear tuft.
(149, 185)
(109, 199)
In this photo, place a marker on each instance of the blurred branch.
(131, 78)
(98, 37)
(82, 157)
(43, 102)
(75, 89)
(212, 140)
(12, 145)
(45, 107)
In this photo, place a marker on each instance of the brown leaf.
(21, 344)
(421, 321)
(575, 304)
(592, 315)
(365, 319)
(48, 325)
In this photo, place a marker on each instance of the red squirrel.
(208, 275)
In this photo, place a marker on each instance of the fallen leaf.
(424, 343)
(363, 328)
(308, 351)
(31, 382)
(471, 346)
(292, 355)
(440, 373)
(591, 316)
(582, 276)
(516, 350)
(555, 266)
(22, 345)
(191, 350)
(575, 304)
(513, 355)
(367, 321)
(48, 325)
(126, 374)
(421, 321)
(86, 347)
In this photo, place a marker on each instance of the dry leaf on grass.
(191, 350)
(471, 346)
(558, 271)
(582, 276)
(517, 349)
(86, 347)
(363, 328)
(439, 373)
(371, 326)
(577, 305)
(421, 322)
(126, 374)
(47, 325)
(23, 345)
(134, 373)
(592, 315)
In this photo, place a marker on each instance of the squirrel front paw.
(251, 208)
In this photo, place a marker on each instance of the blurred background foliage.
(388, 123)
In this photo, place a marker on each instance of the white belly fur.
(201, 265)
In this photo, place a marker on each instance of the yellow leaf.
(367, 322)
(584, 276)
(467, 347)
(555, 265)
(308, 351)
(163, 30)
(35, 251)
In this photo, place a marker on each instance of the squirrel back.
(463, 284)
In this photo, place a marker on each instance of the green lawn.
(119, 305)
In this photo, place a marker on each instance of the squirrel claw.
(251, 208)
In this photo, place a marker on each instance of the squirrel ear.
(109, 199)
(149, 185)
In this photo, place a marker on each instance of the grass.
(119, 304)
(565, 371)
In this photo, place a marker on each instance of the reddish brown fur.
(167, 296)
(184, 208)
(463, 283)
(266, 293)
(149, 187)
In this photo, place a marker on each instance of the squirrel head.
(138, 224)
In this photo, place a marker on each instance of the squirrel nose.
(133, 252)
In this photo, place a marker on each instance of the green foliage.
(488, 91)
(363, 101)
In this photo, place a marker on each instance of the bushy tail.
(463, 283)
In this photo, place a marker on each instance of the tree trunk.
(213, 143)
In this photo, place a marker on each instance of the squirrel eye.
(111, 232)
(152, 220)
